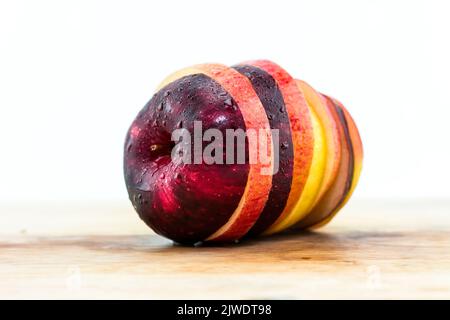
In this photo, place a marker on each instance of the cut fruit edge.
(358, 155)
(313, 183)
(342, 181)
(332, 135)
(258, 185)
(301, 130)
(320, 135)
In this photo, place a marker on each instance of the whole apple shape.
(313, 149)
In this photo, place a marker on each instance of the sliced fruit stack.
(319, 155)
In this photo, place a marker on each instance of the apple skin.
(188, 202)
(357, 149)
(272, 100)
(332, 130)
(340, 188)
(313, 184)
(301, 130)
(256, 191)
(192, 203)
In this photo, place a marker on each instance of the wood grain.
(373, 249)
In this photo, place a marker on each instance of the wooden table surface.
(373, 249)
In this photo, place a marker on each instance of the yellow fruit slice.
(313, 182)
(332, 135)
(357, 149)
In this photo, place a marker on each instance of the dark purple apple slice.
(272, 100)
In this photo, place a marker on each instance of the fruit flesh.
(341, 186)
(332, 135)
(358, 157)
(301, 129)
(313, 183)
(272, 100)
(320, 155)
(176, 200)
(258, 185)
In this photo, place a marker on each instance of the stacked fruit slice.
(317, 152)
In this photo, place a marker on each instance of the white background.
(73, 74)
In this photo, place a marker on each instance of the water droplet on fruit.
(168, 107)
(162, 176)
(141, 178)
(154, 147)
(229, 104)
(137, 199)
(177, 176)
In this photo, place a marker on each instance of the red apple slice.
(313, 183)
(258, 184)
(271, 98)
(301, 130)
